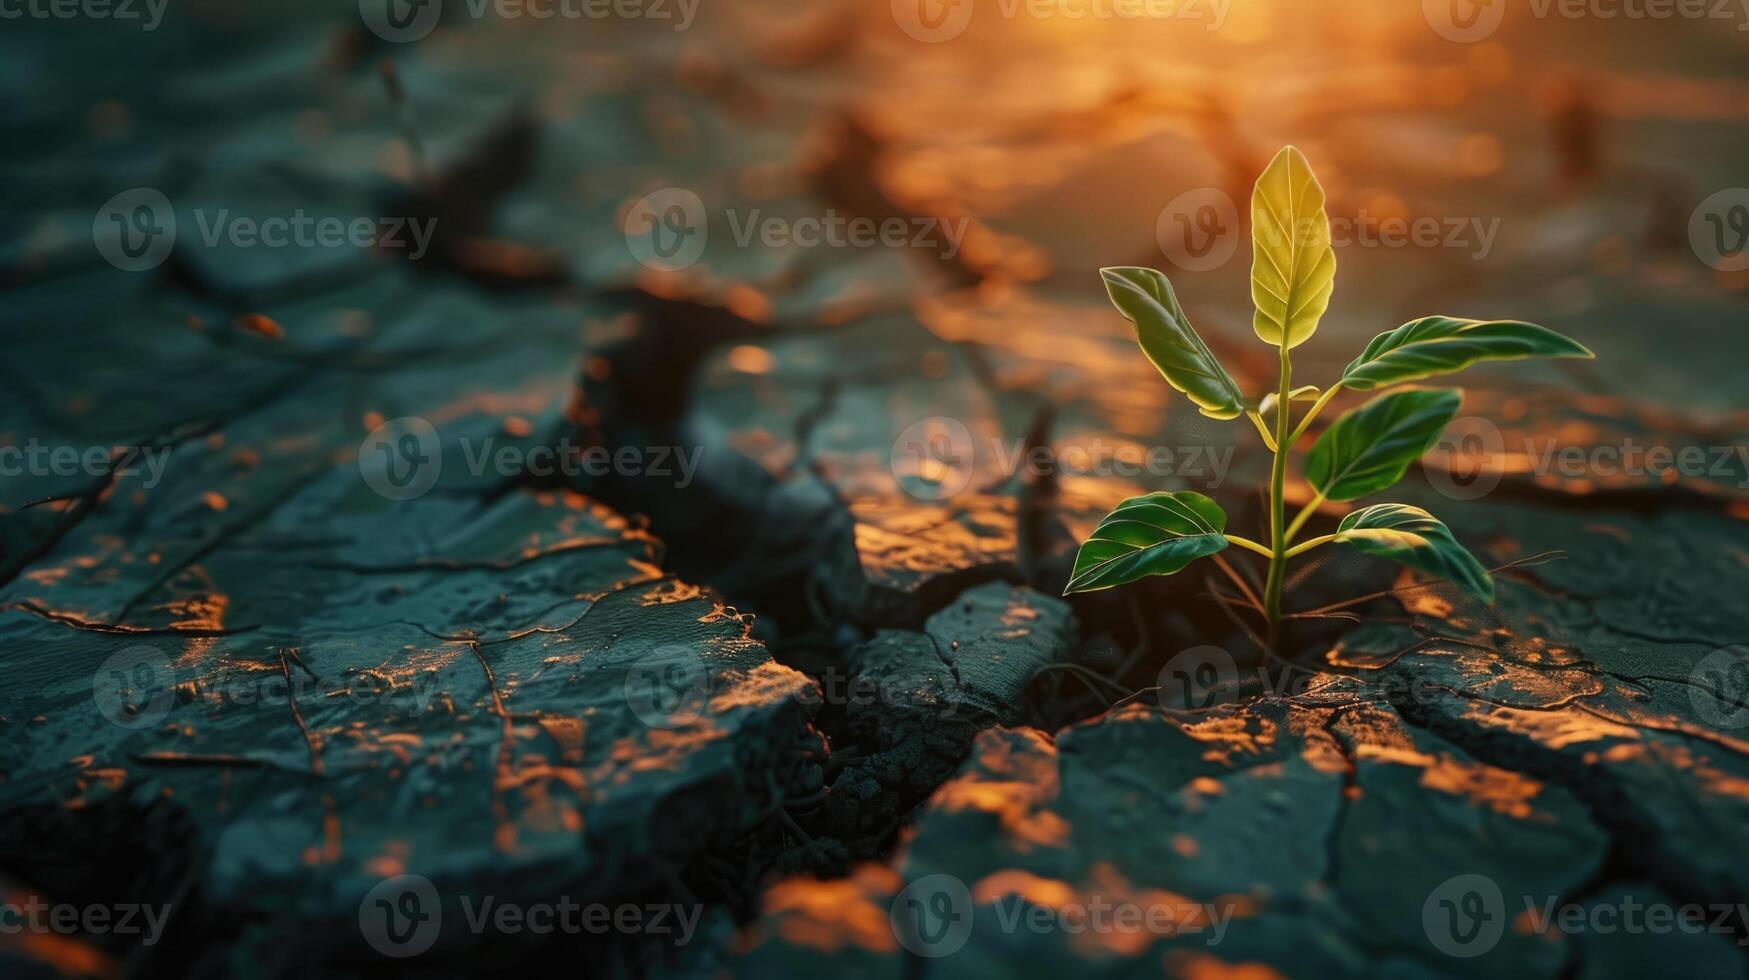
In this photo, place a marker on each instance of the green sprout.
(1365, 451)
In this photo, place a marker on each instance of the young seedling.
(1365, 451)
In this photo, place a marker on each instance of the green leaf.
(1146, 299)
(1413, 537)
(1371, 447)
(1157, 534)
(1442, 344)
(1293, 267)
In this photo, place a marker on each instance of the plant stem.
(1262, 430)
(1301, 549)
(1312, 413)
(1304, 516)
(1278, 506)
(1250, 545)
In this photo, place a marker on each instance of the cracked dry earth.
(477, 685)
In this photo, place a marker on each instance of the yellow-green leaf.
(1293, 267)
(1145, 298)
(1157, 534)
(1436, 345)
(1416, 538)
(1370, 448)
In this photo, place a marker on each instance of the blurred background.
(1573, 164)
(844, 256)
(1559, 151)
